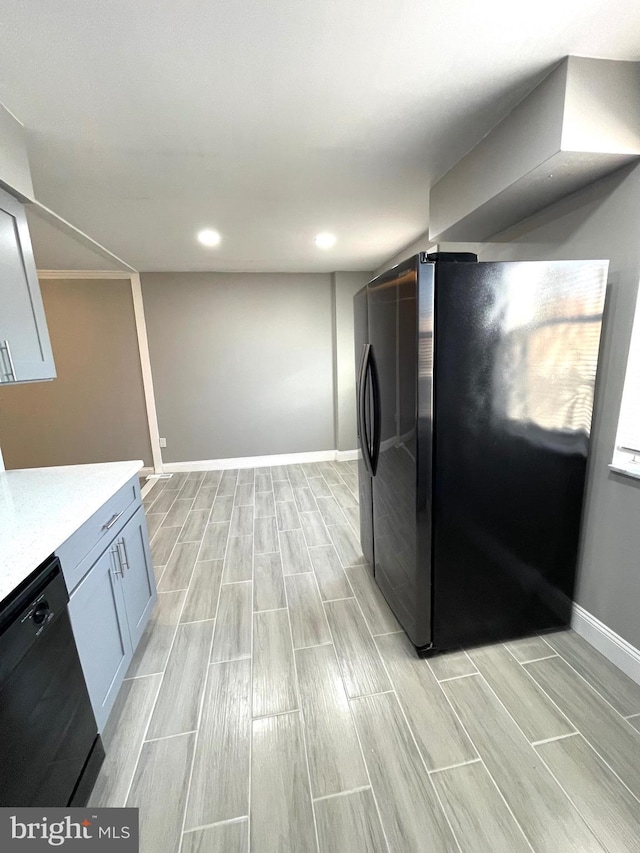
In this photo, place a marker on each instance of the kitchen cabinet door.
(25, 349)
(99, 621)
(138, 579)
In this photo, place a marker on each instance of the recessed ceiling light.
(324, 240)
(209, 237)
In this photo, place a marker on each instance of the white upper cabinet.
(25, 349)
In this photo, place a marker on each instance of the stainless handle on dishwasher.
(11, 374)
(117, 571)
(123, 556)
(112, 521)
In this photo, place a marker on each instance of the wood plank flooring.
(275, 706)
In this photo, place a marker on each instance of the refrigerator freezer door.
(402, 552)
(364, 478)
(516, 351)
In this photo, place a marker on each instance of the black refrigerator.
(475, 386)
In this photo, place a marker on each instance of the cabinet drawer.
(99, 530)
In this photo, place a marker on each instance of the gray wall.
(345, 285)
(602, 221)
(94, 411)
(242, 363)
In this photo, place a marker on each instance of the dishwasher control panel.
(26, 615)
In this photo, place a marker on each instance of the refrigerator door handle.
(359, 383)
(377, 413)
(362, 408)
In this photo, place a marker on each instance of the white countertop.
(40, 508)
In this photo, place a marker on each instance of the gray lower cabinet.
(99, 621)
(25, 349)
(110, 607)
(138, 579)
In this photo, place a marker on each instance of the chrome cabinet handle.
(12, 366)
(118, 572)
(11, 373)
(126, 553)
(122, 555)
(112, 521)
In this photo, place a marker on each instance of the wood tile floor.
(274, 704)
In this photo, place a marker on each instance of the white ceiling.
(272, 120)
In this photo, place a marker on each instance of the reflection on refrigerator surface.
(546, 364)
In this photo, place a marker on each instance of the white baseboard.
(347, 455)
(152, 479)
(144, 491)
(614, 647)
(259, 461)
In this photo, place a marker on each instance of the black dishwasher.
(50, 750)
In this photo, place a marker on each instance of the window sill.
(622, 464)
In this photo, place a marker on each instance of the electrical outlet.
(163, 442)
